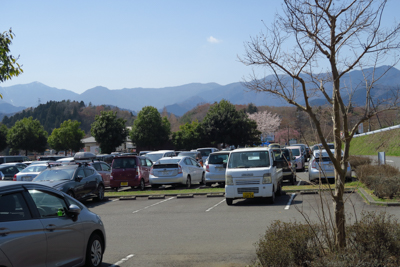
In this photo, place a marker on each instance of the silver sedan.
(320, 165)
(30, 172)
(176, 170)
(41, 226)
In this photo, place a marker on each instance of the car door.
(190, 168)
(65, 238)
(79, 186)
(105, 173)
(198, 170)
(90, 180)
(22, 237)
(149, 164)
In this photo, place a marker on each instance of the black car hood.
(54, 183)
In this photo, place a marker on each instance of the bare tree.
(342, 35)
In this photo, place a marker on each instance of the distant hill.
(180, 99)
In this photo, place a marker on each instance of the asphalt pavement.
(204, 231)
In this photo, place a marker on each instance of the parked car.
(9, 170)
(66, 160)
(300, 163)
(304, 151)
(142, 153)
(51, 158)
(252, 173)
(321, 166)
(176, 170)
(206, 151)
(194, 154)
(215, 167)
(130, 171)
(103, 169)
(321, 147)
(78, 180)
(274, 145)
(19, 165)
(284, 159)
(156, 155)
(107, 158)
(42, 226)
(7, 159)
(30, 172)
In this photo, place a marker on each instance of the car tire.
(208, 184)
(142, 185)
(155, 186)
(100, 194)
(188, 183)
(271, 200)
(279, 191)
(229, 201)
(94, 251)
(203, 180)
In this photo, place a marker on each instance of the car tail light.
(179, 169)
(314, 164)
(207, 168)
(151, 171)
(15, 177)
(290, 164)
(137, 171)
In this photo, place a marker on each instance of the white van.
(252, 173)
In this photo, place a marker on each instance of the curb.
(216, 195)
(157, 197)
(371, 201)
(184, 196)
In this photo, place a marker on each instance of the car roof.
(160, 151)
(221, 152)
(251, 149)
(291, 147)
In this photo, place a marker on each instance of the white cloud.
(213, 40)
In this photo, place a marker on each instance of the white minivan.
(252, 173)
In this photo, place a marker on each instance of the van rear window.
(253, 159)
(218, 158)
(124, 163)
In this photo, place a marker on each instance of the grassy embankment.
(388, 142)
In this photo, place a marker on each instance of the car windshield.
(155, 157)
(188, 154)
(295, 152)
(168, 161)
(281, 154)
(205, 152)
(34, 168)
(218, 158)
(54, 175)
(249, 159)
(321, 147)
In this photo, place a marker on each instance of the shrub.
(356, 161)
(287, 244)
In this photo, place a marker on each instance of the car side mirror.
(74, 211)
(79, 178)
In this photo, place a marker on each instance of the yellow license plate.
(124, 183)
(248, 194)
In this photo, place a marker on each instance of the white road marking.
(118, 263)
(153, 204)
(290, 201)
(114, 200)
(388, 160)
(215, 205)
(299, 183)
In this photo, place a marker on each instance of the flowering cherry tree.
(266, 121)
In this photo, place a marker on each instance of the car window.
(143, 162)
(218, 158)
(194, 162)
(48, 205)
(80, 173)
(34, 168)
(188, 162)
(88, 171)
(96, 166)
(249, 159)
(105, 167)
(149, 163)
(13, 208)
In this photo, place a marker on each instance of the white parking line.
(154, 204)
(388, 160)
(290, 201)
(215, 205)
(299, 183)
(114, 200)
(118, 263)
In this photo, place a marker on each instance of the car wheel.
(142, 186)
(100, 194)
(229, 201)
(279, 191)
(203, 180)
(155, 186)
(188, 182)
(208, 184)
(94, 251)
(71, 194)
(271, 200)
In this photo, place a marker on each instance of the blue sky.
(77, 45)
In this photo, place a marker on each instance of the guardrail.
(378, 131)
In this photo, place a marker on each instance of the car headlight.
(228, 180)
(267, 178)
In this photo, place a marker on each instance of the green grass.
(388, 142)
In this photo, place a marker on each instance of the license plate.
(248, 194)
(26, 178)
(124, 183)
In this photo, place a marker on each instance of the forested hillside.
(53, 113)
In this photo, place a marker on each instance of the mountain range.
(179, 99)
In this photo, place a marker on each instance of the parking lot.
(201, 231)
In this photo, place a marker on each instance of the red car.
(130, 171)
(103, 169)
